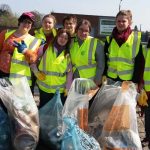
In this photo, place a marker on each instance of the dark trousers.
(3, 75)
(46, 97)
(147, 120)
(33, 78)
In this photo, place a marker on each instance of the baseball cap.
(28, 15)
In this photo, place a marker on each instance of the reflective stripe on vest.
(19, 76)
(119, 65)
(52, 87)
(84, 63)
(24, 63)
(19, 66)
(55, 69)
(146, 75)
(8, 33)
(40, 33)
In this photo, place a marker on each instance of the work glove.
(65, 92)
(31, 56)
(40, 75)
(142, 99)
(42, 42)
(104, 80)
(21, 47)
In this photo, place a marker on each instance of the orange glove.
(65, 92)
(30, 56)
(142, 100)
(40, 75)
(104, 80)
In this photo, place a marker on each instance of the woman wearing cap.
(12, 62)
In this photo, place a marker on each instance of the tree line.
(10, 19)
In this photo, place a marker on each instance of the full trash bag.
(23, 113)
(76, 139)
(120, 129)
(5, 139)
(101, 107)
(51, 122)
(76, 105)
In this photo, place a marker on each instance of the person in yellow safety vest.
(56, 65)
(123, 51)
(146, 77)
(46, 33)
(12, 63)
(87, 54)
(70, 23)
(26, 48)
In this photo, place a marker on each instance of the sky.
(140, 8)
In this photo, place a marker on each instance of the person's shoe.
(145, 140)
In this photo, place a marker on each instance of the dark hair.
(69, 17)
(61, 31)
(26, 15)
(84, 22)
(50, 16)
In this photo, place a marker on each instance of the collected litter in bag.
(75, 138)
(51, 122)
(82, 114)
(76, 105)
(23, 113)
(5, 139)
(101, 107)
(120, 130)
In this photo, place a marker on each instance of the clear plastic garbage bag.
(76, 139)
(5, 138)
(120, 129)
(23, 113)
(101, 107)
(76, 105)
(51, 122)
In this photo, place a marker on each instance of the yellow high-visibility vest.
(146, 76)
(55, 69)
(121, 59)
(40, 33)
(83, 57)
(19, 66)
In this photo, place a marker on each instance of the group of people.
(52, 57)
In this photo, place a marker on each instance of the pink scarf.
(121, 37)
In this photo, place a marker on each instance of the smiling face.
(70, 26)
(83, 31)
(62, 39)
(122, 23)
(25, 25)
(48, 24)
